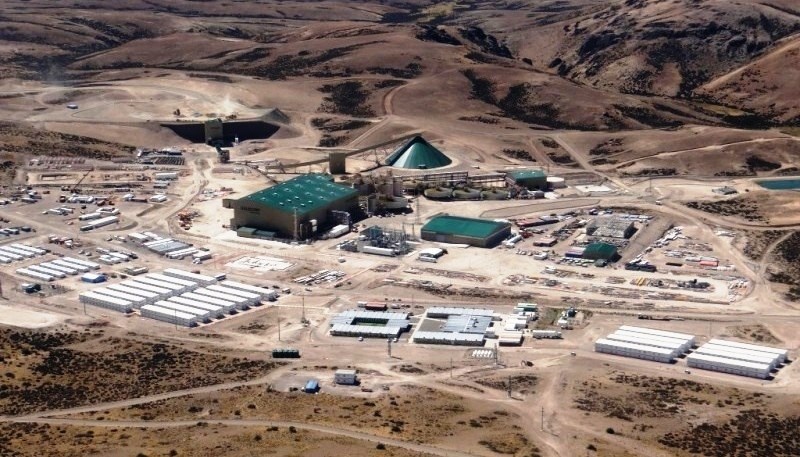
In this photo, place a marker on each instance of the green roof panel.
(303, 193)
(464, 226)
(519, 175)
(418, 154)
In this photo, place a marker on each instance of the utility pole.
(509, 386)
(451, 368)
(303, 297)
(389, 346)
(542, 418)
(279, 329)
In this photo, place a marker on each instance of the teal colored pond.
(780, 184)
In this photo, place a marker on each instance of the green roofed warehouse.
(417, 154)
(529, 179)
(298, 207)
(463, 230)
(601, 251)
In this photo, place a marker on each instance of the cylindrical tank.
(495, 194)
(410, 185)
(466, 194)
(554, 182)
(395, 203)
(439, 192)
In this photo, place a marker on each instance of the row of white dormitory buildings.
(717, 355)
(178, 297)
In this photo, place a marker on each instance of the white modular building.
(656, 332)
(181, 253)
(34, 274)
(47, 271)
(162, 292)
(203, 280)
(20, 252)
(254, 299)
(227, 305)
(551, 334)
(74, 266)
(10, 255)
(215, 311)
(445, 312)
(188, 285)
(366, 331)
(90, 216)
(345, 377)
(683, 343)
(149, 297)
(85, 263)
(203, 315)
(135, 300)
(732, 353)
(674, 348)
(26, 247)
(176, 288)
(637, 351)
(241, 302)
(65, 270)
(169, 315)
(680, 346)
(105, 301)
(4, 259)
(455, 339)
(726, 365)
(782, 354)
(266, 294)
(98, 223)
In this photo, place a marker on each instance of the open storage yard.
(457, 229)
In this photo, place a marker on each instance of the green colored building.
(464, 230)
(417, 154)
(299, 207)
(529, 179)
(601, 251)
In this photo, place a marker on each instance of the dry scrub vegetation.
(54, 370)
(43, 440)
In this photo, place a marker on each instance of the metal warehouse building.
(611, 227)
(529, 179)
(601, 251)
(296, 208)
(463, 230)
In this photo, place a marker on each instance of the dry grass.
(754, 332)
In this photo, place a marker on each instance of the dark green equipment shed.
(464, 230)
(601, 251)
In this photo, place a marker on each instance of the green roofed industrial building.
(601, 251)
(297, 208)
(529, 179)
(417, 154)
(464, 230)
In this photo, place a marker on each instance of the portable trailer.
(228, 305)
(679, 342)
(11, 255)
(176, 289)
(56, 267)
(102, 222)
(160, 291)
(136, 300)
(74, 266)
(783, 354)
(203, 315)
(215, 311)
(720, 351)
(744, 352)
(19, 252)
(120, 256)
(34, 274)
(651, 331)
(168, 315)
(637, 351)
(47, 271)
(725, 365)
(25, 247)
(181, 253)
(255, 298)
(90, 216)
(85, 263)
(4, 259)
(266, 294)
(149, 297)
(105, 301)
(189, 285)
(200, 279)
(673, 347)
(241, 302)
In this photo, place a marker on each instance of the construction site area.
(313, 266)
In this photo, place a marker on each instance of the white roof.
(634, 346)
(729, 362)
